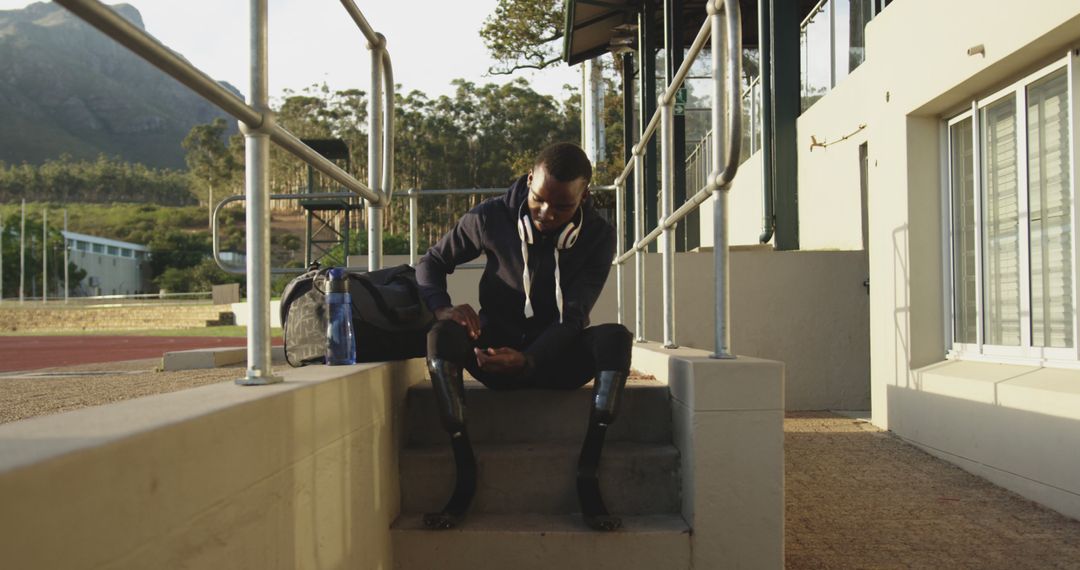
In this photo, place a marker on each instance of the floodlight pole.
(22, 254)
(65, 256)
(45, 255)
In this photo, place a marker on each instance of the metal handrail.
(150, 49)
(414, 199)
(259, 128)
(216, 237)
(813, 12)
(725, 89)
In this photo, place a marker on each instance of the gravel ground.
(52, 390)
(858, 497)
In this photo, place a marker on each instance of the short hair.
(566, 162)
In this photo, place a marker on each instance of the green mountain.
(66, 88)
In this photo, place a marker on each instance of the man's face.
(553, 203)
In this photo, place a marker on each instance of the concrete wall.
(806, 309)
(1018, 426)
(744, 203)
(301, 474)
(902, 93)
(728, 424)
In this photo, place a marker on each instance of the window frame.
(1025, 353)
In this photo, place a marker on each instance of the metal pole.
(753, 118)
(66, 288)
(667, 238)
(414, 197)
(620, 245)
(44, 255)
(832, 45)
(22, 254)
(257, 162)
(721, 134)
(639, 255)
(1, 259)
(388, 129)
(765, 109)
(375, 153)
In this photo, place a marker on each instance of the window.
(113, 250)
(1012, 184)
(99, 248)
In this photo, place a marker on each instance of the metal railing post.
(667, 238)
(620, 246)
(375, 156)
(414, 199)
(257, 179)
(639, 254)
(724, 133)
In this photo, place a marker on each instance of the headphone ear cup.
(568, 237)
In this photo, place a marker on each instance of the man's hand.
(464, 315)
(500, 360)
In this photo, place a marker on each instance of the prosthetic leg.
(446, 378)
(607, 391)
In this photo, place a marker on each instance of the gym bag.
(390, 320)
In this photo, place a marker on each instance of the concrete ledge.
(1007, 423)
(201, 358)
(728, 420)
(297, 474)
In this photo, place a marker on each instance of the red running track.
(30, 352)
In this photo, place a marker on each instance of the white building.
(952, 159)
(112, 267)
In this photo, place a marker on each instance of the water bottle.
(340, 341)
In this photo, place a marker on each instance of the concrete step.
(542, 542)
(635, 478)
(541, 415)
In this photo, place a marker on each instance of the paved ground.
(858, 497)
(33, 352)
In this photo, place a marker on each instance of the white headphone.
(567, 238)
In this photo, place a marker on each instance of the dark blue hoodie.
(490, 229)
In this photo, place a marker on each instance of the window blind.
(963, 213)
(1001, 262)
(1052, 305)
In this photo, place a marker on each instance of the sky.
(431, 42)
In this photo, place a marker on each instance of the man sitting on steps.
(548, 255)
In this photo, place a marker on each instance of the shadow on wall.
(901, 304)
(1030, 453)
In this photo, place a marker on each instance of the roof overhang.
(595, 27)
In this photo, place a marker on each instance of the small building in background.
(112, 267)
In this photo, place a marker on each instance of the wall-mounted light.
(977, 50)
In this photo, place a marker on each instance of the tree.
(208, 159)
(522, 34)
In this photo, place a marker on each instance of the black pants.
(603, 347)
